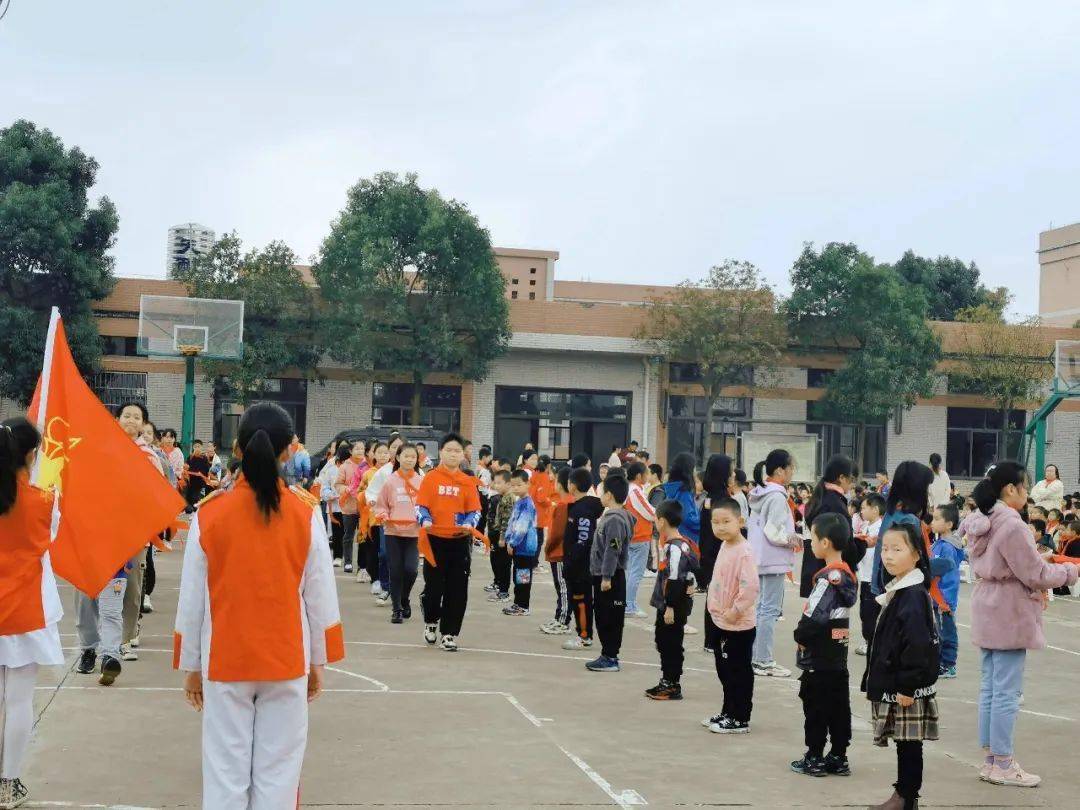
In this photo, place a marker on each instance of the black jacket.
(582, 517)
(906, 651)
(824, 627)
(830, 502)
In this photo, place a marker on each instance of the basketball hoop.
(190, 350)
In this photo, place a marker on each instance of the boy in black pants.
(500, 507)
(607, 565)
(678, 560)
(582, 515)
(822, 635)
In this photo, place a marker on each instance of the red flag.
(111, 498)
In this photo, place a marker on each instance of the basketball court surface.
(513, 720)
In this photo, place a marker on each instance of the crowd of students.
(388, 513)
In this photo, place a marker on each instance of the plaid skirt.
(919, 721)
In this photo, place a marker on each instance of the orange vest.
(254, 570)
(445, 494)
(542, 492)
(24, 539)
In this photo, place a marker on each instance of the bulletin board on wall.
(803, 448)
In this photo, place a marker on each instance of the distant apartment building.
(185, 243)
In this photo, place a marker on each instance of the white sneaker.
(135, 642)
(376, 588)
(861, 649)
(147, 605)
(361, 575)
(573, 643)
(1013, 776)
(449, 643)
(13, 793)
(382, 600)
(431, 633)
(636, 614)
(128, 654)
(771, 669)
(648, 574)
(690, 630)
(554, 628)
(337, 562)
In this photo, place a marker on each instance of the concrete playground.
(512, 720)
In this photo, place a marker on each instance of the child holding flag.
(29, 603)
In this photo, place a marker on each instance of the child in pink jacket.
(395, 509)
(733, 594)
(1006, 611)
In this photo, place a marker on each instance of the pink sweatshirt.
(1007, 602)
(734, 585)
(396, 507)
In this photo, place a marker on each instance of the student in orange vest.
(448, 510)
(29, 603)
(257, 621)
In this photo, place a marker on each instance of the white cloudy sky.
(643, 142)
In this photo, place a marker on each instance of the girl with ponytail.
(29, 603)
(829, 497)
(1006, 611)
(772, 537)
(257, 560)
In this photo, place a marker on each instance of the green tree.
(725, 324)
(411, 284)
(1007, 363)
(279, 312)
(950, 286)
(53, 252)
(843, 300)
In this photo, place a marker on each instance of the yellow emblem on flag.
(54, 454)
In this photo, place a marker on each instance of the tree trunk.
(418, 389)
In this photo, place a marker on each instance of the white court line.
(532, 718)
(381, 686)
(76, 804)
(628, 798)
(1048, 646)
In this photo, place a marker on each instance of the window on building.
(440, 405)
(513, 281)
(532, 296)
(289, 393)
(532, 282)
(513, 294)
(115, 346)
(842, 438)
(532, 270)
(114, 387)
(691, 373)
(977, 437)
(818, 377)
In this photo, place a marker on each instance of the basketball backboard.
(1067, 366)
(172, 326)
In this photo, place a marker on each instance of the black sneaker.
(406, 611)
(837, 765)
(665, 690)
(110, 668)
(87, 662)
(729, 726)
(810, 766)
(396, 618)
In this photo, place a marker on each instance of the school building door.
(561, 423)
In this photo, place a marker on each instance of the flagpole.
(46, 374)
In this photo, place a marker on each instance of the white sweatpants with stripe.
(254, 735)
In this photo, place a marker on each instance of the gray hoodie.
(770, 513)
(612, 543)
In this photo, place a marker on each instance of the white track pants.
(16, 717)
(254, 735)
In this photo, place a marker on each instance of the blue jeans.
(384, 567)
(950, 640)
(635, 569)
(769, 607)
(999, 698)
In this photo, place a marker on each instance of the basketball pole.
(187, 434)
